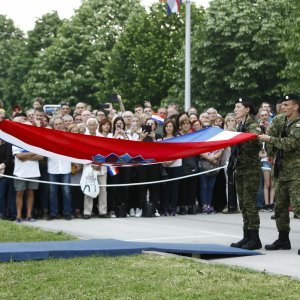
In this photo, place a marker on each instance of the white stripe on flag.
(224, 135)
(16, 142)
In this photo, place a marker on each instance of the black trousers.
(118, 195)
(171, 189)
(77, 198)
(188, 191)
(145, 174)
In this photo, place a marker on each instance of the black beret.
(247, 103)
(243, 100)
(293, 97)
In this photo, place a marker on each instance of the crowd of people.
(207, 194)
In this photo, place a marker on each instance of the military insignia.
(287, 97)
(298, 125)
(258, 128)
(240, 100)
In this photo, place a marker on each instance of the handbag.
(89, 182)
(205, 165)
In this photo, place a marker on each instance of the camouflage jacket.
(247, 157)
(275, 129)
(290, 146)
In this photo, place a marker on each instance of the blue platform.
(108, 247)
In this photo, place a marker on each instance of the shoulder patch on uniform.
(298, 125)
(258, 128)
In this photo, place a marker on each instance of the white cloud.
(24, 13)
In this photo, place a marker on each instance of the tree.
(240, 50)
(290, 75)
(12, 45)
(44, 33)
(145, 61)
(72, 67)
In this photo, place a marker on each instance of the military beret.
(247, 103)
(243, 100)
(293, 97)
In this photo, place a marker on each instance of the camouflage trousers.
(247, 187)
(286, 193)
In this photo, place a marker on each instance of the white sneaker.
(131, 212)
(157, 214)
(138, 213)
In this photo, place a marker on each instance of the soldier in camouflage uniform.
(275, 129)
(286, 141)
(248, 175)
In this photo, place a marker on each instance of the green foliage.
(240, 53)
(71, 68)
(144, 59)
(239, 47)
(12, 57)
(10, 232)
(290, 75)
(177, 89)
(44, 33)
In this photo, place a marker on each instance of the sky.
(24, 13)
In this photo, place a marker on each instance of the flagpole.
(187, 99)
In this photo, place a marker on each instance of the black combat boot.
(299, 252)
(254, 241)
(283, 242)
(243, 241)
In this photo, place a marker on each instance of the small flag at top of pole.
(173, 6)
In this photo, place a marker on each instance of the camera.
(103, 106)
(147, 128)
(113, 98)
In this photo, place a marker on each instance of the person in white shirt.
(26, 166)
(92, 125)
(59, 170)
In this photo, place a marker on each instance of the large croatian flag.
(85, 149)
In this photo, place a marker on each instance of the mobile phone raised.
(113, 98)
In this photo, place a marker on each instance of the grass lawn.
(11, 232)
(135, 277)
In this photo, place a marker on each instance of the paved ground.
(215, 229)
